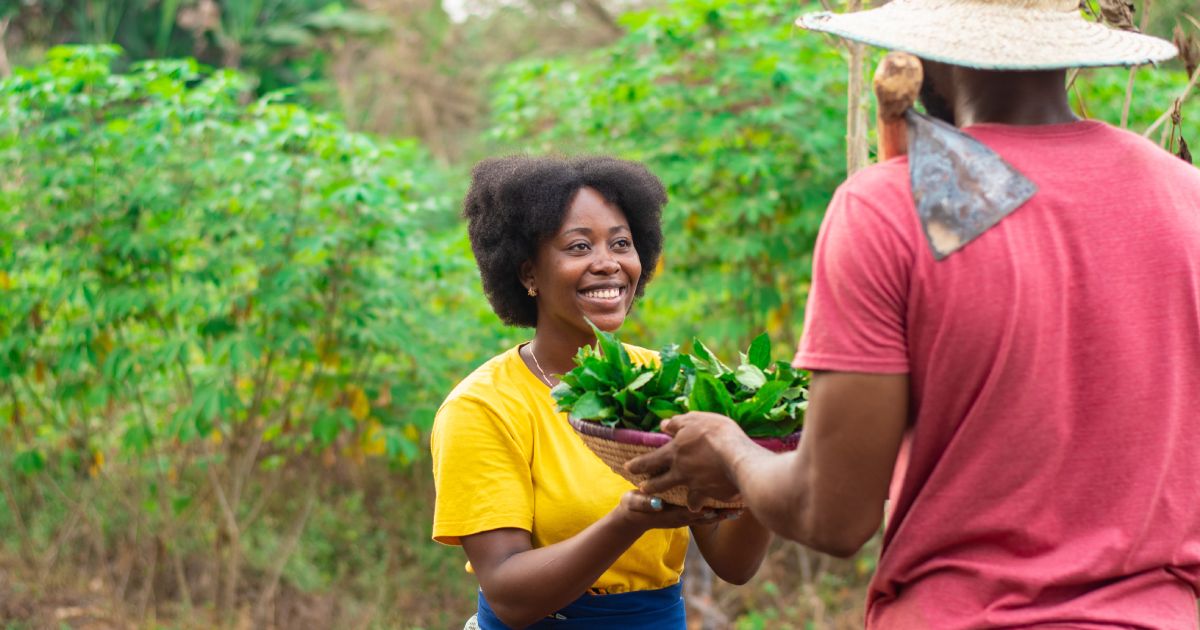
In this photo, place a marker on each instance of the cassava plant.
(207, 296)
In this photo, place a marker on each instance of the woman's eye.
(623, 243)
(579, 247)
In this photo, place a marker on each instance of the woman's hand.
(524, 583)
(637, 510)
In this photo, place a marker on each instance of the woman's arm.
(735, 547)
(523, 584)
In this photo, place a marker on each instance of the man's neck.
(1011, 98)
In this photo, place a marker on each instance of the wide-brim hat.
(994, 34)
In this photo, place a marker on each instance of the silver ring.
(656, 504)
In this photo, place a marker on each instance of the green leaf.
(750, 376)
(709, 395)
(29, 462)
(326, 428)
(606, 342)
(591, 407)
(708, 361)
(400, 447)
(663, 408)
(760, 352)
(595, 374)
(743, 414)
(137, 438)
(668, 371)
(181, 503)
(642, 379)
(563, 390)
(766, 398)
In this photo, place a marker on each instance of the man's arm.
(829, 493)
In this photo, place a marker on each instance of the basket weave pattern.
(615, 454)
(615, 447)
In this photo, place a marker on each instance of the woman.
(556, 539)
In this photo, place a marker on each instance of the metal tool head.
(960, 186)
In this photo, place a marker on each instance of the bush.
(218, 298)
(189, 267)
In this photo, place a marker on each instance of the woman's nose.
(605, 263)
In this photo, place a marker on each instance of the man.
(1032, 400)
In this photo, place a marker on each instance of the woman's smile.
(605, 296)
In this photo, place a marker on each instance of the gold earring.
(532, 292)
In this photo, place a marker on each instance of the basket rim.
(656, 440)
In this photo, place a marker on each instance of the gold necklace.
(545, 379)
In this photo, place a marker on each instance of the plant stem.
(1170, 110)
(14, 507)
(857, 151)
(1128, 99)
(281, 557)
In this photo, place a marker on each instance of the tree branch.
(281, 556)
(5, 68)
(597, 10)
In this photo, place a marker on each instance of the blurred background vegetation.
(234, 285)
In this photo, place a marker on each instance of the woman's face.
(588, 269)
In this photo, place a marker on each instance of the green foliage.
(608, 387)
(767, 399)
(178, 266)
(203, 295)
(1100, 94)
(743, 119)
(283, 43)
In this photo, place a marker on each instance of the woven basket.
(617, 446)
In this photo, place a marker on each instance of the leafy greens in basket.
(767, 399)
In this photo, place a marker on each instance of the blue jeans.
(661, 609)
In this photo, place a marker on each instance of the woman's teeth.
(602, 294)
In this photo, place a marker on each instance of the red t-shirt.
(1051, 473)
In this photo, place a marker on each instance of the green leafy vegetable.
(766, 399)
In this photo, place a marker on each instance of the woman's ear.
(526, 275)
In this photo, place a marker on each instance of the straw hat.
(994, 34)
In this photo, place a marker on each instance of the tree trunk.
(857, 146)
(5, 68)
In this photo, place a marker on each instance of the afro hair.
(516, 202)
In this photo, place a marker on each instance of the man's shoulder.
(876, 199)
(1155, 157)
(884, 186)
(1092, 143)
(891, 175)
(1130, 140)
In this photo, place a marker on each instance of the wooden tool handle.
(897, 83)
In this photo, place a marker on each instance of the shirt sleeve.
(856, 312)
(481, 471)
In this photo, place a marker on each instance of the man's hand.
(699, 458)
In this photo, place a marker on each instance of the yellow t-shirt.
(503, 457)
